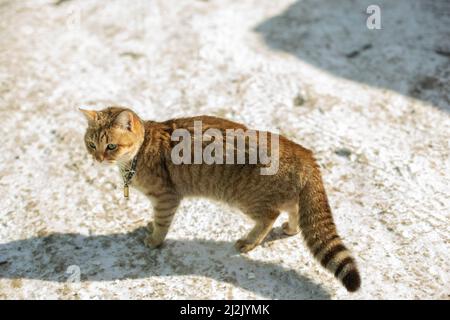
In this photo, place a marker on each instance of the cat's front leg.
(165, 204)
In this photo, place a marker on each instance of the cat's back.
(205, 121)
(287, 147)
(232, 182)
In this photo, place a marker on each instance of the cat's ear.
(126, 120)
(91, 115)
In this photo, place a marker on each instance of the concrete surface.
(372, 104)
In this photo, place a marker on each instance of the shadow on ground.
(124, 256)
(409, 55)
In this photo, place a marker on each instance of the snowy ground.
(373, 104)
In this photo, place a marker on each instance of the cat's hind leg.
(264, 222)
(165, 206)
(291, 227)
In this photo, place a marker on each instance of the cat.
(116, 135)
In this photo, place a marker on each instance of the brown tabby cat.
(118, 135)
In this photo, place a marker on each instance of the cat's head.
(114, 135)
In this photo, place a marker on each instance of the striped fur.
(296, 187)
(320, 234)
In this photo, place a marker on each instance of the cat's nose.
(100, 157)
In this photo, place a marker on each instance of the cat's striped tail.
(319, 231)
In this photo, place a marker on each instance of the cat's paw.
(150, 227)
(152, 243)
(287, 230)
(243, 246)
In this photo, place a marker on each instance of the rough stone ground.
(372, 104)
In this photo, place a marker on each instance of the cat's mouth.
(105, 162)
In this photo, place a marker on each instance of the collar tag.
(127, 176)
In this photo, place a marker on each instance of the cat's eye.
(91, 145)
(112, 146)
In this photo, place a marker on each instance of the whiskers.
(123, 164)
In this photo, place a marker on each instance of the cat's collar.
(127, 175)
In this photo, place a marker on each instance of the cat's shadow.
(123, 256)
